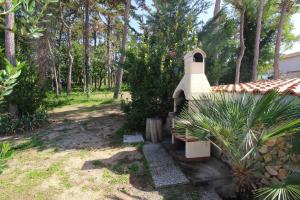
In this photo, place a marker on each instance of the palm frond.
(286, 190)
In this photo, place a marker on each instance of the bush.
(27, 94)
(9, 125)
(5, 152)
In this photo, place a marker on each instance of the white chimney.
(194, 81)
(192, 85)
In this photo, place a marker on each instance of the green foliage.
(95, 98)
(295, 145)
(288, 189)
(219, 41)
(5, 152)
(32, 142)
(154, 64)
(216, 38)
(98, 66)
(27, 94)
(133, 168)
(9, 124)
(8, 78)
(240, 124)
(5, 149)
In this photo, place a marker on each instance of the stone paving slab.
(130, 139)
(163, 170)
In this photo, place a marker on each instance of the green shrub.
(27, 94)
(5, 152)
(9, 125)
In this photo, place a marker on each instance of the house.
(289, 65)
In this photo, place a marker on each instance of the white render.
(198, 149)
(193, 84)
(289, 65)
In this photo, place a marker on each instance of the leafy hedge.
(9, 125)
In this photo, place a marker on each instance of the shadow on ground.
(85, 139)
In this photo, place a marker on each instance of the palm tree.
(240, 6)
(124, 42)
(284, 9)
(288, 189)
(240, 124)
(257, 40)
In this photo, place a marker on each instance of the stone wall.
(277, 161)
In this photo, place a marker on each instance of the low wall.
(275, 160)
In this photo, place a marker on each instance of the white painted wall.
(289, 65)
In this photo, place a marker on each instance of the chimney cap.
(192, 53)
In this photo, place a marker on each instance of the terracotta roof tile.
(286, 86)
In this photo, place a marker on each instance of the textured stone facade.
(277, 161)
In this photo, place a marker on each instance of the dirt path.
(78, 157)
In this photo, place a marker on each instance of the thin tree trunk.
(257, 40)
(119, 76)
(95, 39)
(10, 50)
(278, 39)
(242, 47)
(216, 12)
(69, 51)
(86, 45)
(58, 60)
(70, 62)
(217, 7)
(109, 54)
(53, 66)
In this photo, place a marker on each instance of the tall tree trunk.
(10, 50)
(217, 7)
(283, 12)
(70, 62)
(257, 40)
(86, 45)
(69, 51)
(53, 65)
(95, 39)
(58, 60)
(109, 53)
(242, 47)
(119, 76)
(42, 60)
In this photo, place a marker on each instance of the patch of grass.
(6, 152)
(118, 168)
(139, 145)
(117, 139)
(95, 98)
(146, 167)
(32, 142)
(37, 175)
(96, 163)
(112, 178)
(133, 168)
